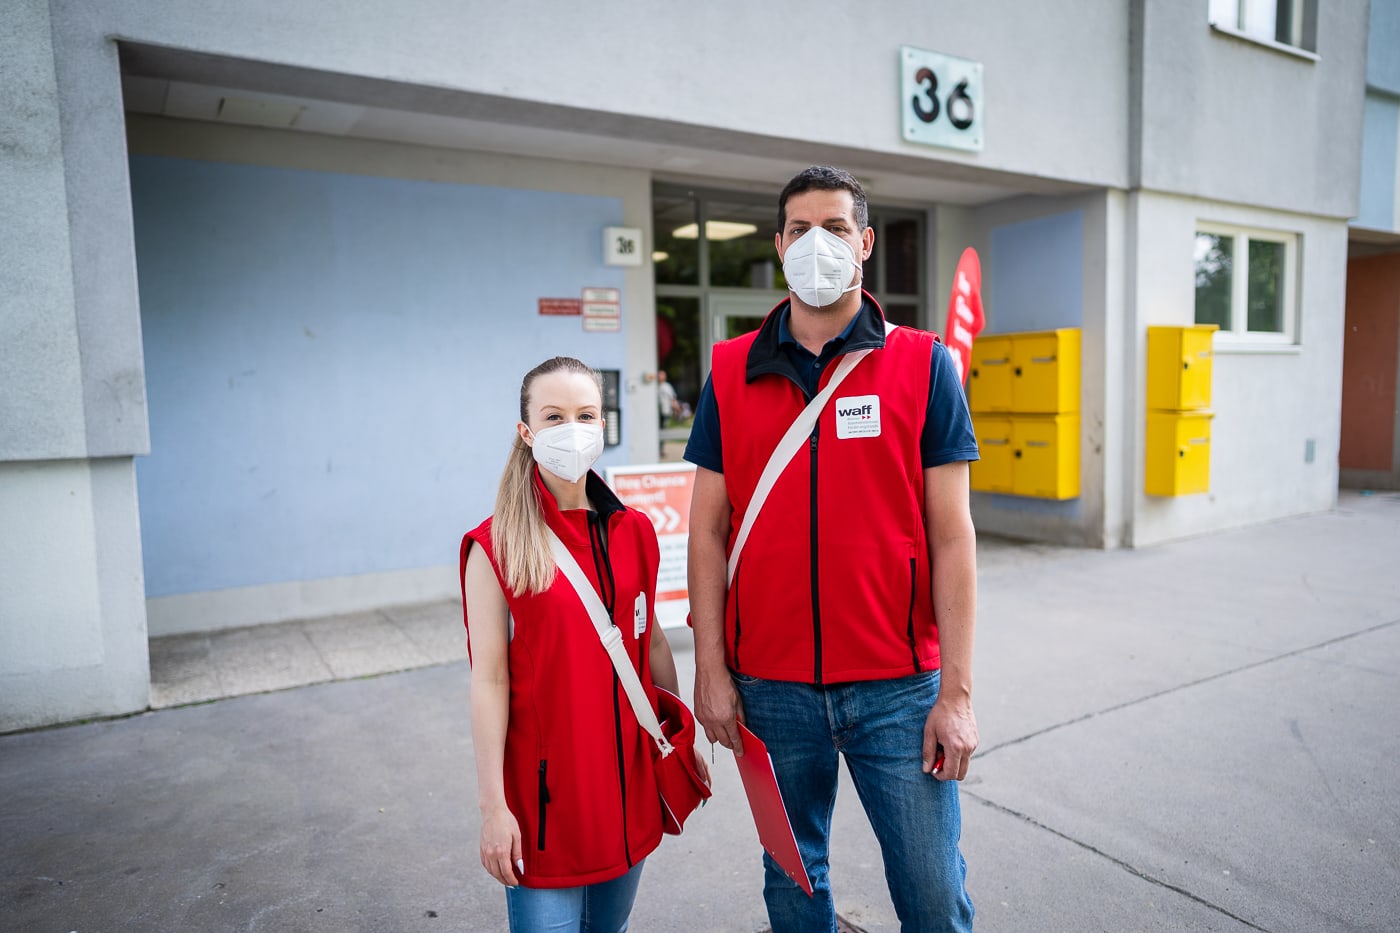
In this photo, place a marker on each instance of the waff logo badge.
(858, 416)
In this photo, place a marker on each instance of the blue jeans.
(878, 725)
(595, 908)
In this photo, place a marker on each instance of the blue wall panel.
(1035, 274)
(333, 361)
(1383, 46)
(1381, 122)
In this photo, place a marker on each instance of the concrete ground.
(1196, 736)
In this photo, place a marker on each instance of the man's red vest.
(578, 772)
(833, 583)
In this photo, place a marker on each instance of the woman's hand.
(701, 765)
(500, 845)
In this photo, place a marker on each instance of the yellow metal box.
(992, 473)
(1045, 371)
(1178, 452)
(989, 376)
(1045, 456)
(1179, 367)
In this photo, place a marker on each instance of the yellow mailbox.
(1045, 371)
(1035, 372)
(989, 376)
(993, 472)
(1179, 367)
(1178, 452)
(1045, 456)
(1023, 390)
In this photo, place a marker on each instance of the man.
(666, 398)
(848, 624)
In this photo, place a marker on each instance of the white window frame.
(1242, 19)
(1237, 335)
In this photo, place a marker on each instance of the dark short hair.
(824, 178)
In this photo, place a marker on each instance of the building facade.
(271, 278)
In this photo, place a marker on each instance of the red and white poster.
(965, 318)
(662, 491)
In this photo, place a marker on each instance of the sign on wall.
(940, 99)
(622, 246)
(663, 492)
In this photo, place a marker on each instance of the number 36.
(959, 104)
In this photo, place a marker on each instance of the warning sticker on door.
(858, 416)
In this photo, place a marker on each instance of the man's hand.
(718, 707)
(951, 727)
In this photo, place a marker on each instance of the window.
(1286, 22)
(1244, 282)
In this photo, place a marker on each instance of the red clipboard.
(766, 802)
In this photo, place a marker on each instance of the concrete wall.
(72, 405)
(697, 66)
(72, 619)
(317, 338)
(1236, 121)
(1270, 401)
(1056, 262)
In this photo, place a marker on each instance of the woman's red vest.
(578, 772)
(833, 583)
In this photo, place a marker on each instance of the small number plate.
(940, 99)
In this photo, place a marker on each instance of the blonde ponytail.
(517, 527)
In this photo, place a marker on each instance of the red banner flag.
(965, 320)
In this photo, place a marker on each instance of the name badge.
(858, 416)
(639, 616)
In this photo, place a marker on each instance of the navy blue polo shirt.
(947, 436)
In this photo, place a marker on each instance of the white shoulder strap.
(795, 437)
(611, 638)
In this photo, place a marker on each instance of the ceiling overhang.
(194, 85)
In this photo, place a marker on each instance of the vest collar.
(572, 526)
(766, 354)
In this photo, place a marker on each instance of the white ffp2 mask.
(568, 450)
(818, 265)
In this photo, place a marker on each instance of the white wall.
(759, 73)
(1227, 119)
(1268, 402)
(72, 617)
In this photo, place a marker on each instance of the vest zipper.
(621, 769)
(544, 802)
(816, 588)
(602, 565)
(737, 572)
(913, 594)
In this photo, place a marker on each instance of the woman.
(569, 806)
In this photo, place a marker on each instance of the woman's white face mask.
(818, 267)
(568, 450)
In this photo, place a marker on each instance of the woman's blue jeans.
(595, 908)
(878, 725)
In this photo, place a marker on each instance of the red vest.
(578, 773)
(833, 584)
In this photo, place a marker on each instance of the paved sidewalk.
(1198, 736)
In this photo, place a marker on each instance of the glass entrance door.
(733, 314)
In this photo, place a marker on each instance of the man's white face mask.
(818, 267)
(568, 450)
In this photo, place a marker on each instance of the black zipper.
(621, 767)
(597, 534)
(544, 801)
(737, 571)
(816, 589)
(913, 594)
